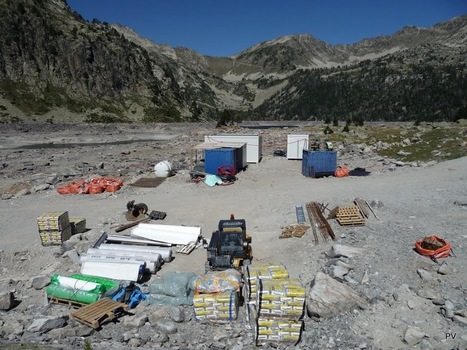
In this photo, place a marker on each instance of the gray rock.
(446, 312)
(350, 280)
(135, 342)
(438, 301)
(411, 304)
(413, 335)
(166, 326)
(84, 331)
(460, 319)
(23, 192)
(160, 338)
(461, 312)
(40, 282)
(128, 335)
(6, 196)
(365, 278)
(156, 314)
(448, 304)
(7, 300)
(328, 297)
(177, 314)
(135, 321)
(446, 269)
(72, 255)
(13, 326)
(425, 345)
(339, 272)
(425, 275)
(62, 333)
(428, 294)
(42, 187)
(43, 325)
(342, 263)
(52, 180)
(339, 250)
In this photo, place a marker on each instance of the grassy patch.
(436, 144)
(426, 143)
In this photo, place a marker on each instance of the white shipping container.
(253, 144)
(295, 146)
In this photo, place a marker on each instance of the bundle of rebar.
(320, 226)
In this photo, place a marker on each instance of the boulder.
(43, 325)
(166, 327)
(328, 297)
(413, 335)
(40, 282)
(135, 321)
(7, 300)
(339, 272)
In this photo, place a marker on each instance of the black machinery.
(229, 246)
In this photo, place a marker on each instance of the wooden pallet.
(188, 248)
(351, 220)
(294, 231)
(347, 216)
(93, 315)
(61, 301)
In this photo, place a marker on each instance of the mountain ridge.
(52, 59)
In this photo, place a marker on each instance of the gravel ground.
(408, 202)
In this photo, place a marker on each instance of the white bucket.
(163, 169)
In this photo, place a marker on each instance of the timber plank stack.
(347, 216)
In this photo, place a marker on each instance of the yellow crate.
(53, 221)
(49, 238)
(216, 307)
(275, 329)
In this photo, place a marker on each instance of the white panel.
(148, 257)
(113, 270)
(173, 228)
(177, 235)
(152, 266)
(134, 240)
(166, 253)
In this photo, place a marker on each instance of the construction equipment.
(229, 246)
(135, 210)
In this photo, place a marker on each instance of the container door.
(295, 146)
(214, 158)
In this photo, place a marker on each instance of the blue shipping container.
(319, 163)
(215, 158)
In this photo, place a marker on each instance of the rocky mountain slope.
(55, 66)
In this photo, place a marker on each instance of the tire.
(141, 208)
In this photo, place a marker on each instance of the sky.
(225, 28)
